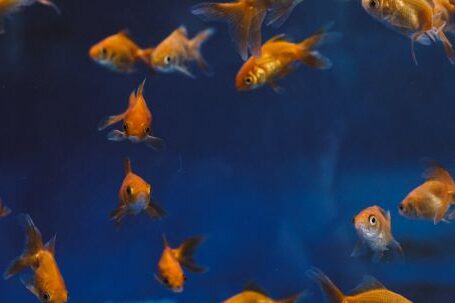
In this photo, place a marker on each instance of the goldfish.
(8, 7)
(374, 227)
(117, 52)
(170, 271)
(279, 58)
(47, 283)
(370, 290)
(137, 121)
(135, 197)
(245, 18)
(4, 211)
(431, 200)
(444, 17)
(256, 295)
(177, 51)
(412, 18)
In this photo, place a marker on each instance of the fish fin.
(2, 25)
(110, 121)
(368, 283)
(255, 37)
(278, 14)
(195, 48)
(448, 47)
(29, 283)
(33, 244)
(51, 4)
(154, 210)
(252, 286)
(4, 211)
(165, 241)
(280, 37)
(360, 249)
(140, 89)
(186, 252)
(316, 60)
(425, 40)
(127, 168)
(396, 250)
(436, 172)
(308, 53)
(184, 71)
(329, 290)
(441, 213)
(116, 136)
(126, 32)
(182, 30)
(276, 87)
(293, 299)
(450, 216)
(155, 143)
(240, 18)
(377, 257)
(146, 55)
(50, 246)
(118, 214)
(414, 39)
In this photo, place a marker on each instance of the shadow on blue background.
(273, 180)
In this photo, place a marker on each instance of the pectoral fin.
(441, 213)
(51, 4)
(29, 283)
(184, 70)
(156, 143)
(116, 136)
(360, 249)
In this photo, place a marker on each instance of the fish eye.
(353, 220)
(167, 60)
(184, 278)
(129, 190)
(125, 126)
(45, 297)
(373, 4)
(373, 220)
(248, 80)
(401, 207)
(147, 130)
(104, 52)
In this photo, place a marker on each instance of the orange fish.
(245, 18)
(369, 291)
(374, 227)
(432, 199)
(412, 18)
(137, 122)
(170, 271)
(253, 294)
(135, 197)
(279, 58)
(8, 7)
(47, 282)
(117, 52)
(444, 17)
(177, 51)
(4, 211)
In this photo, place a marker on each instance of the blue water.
(272, 180)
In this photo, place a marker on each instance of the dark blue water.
(272, 180)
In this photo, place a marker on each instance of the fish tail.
(145, 55)
(186, 252)
(110, 121)
(195, 48)
(33, 244)
(330, 291)
(51, 4)
(245, 22)
(309, 53)
(292, 299)
(154, 210)
(280, 13)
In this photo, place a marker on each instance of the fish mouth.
(177, 290)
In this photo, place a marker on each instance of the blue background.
(272, 180)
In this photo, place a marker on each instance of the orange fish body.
(370, 290)
(47, 283)
(8, 7)
(431, 200)
(412, 18)
(4, 211)
(137, 122)
(256, 296)
(279, 58)
(170, 265)
(373, 225)
(245, 17)
(177, 51)
(117, 52)
(135, 196)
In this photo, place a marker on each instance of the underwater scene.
(229, 151)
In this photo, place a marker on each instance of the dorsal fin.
(280, 37)
(436, 172)
(165, 242)
(50, 246)
(385, 213)
(252, 286)
(368, 283)
(127, 166)
(125, 32)
(182, 30)
(140, 90)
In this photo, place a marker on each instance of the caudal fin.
(330, 291)
(279, 13)
(51, 4)
(309, 53)
(33, 244)
(245, 23)
(145, 55)
(186, 254)
(195, 48)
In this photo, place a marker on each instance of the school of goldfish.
(422, 21)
